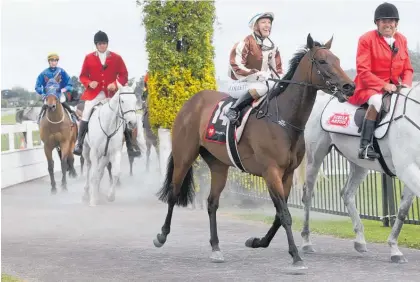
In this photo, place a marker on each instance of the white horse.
(398, 135)
(104, 140)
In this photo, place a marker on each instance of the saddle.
(360, 113)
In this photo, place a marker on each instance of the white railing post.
(29, 137)
(11, 141)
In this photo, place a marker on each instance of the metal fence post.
(388, 200)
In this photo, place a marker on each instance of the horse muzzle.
(131, 125)
(52, 107)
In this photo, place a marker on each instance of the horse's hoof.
(53, 191)
(250, 243)
(157, 243)
(111, 198)
(217, 256)
(308, 249)
(360, 247)
(93, 203)
(299, 265)
(399, 259)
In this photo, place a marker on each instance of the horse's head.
(52, 92)
(127, 102)
(327, 72)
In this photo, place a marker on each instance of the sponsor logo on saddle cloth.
(217, 125)
(340, 118)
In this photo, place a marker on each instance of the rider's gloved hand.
(263, 75)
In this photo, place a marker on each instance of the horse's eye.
(323, 62)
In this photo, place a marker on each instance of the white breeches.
(376, 101)
(90, 104)
(238, 88)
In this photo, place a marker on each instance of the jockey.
(249, 64)
(100, 71)
(382, 60)
(65, 83)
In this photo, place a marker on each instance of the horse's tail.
(187, 192)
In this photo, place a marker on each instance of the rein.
(121, 117)
(329, 86)
(403, 115)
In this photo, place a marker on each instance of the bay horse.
(58, 131)
(399, 146)
(271, 146)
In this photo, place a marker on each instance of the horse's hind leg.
(82, 162)
(131, 161)
(315, 154)
(219, 173)
(48, 155)
(356, 176)
(406, 201)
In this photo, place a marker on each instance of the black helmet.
(386, 11)
(100, 36)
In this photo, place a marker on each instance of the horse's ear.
(309, 41)
(329, 43)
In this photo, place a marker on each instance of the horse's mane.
(293, 64)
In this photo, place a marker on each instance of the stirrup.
(232, 115)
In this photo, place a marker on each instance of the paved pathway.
(58, 238)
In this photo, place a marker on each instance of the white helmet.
(258, 16)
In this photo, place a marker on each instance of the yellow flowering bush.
(179, 45)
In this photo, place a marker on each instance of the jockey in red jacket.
(100, 71)
(382, 60)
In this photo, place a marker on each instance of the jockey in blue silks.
(65, 84)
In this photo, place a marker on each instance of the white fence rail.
(21, 165)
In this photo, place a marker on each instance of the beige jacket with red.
(247, 55)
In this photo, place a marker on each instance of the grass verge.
(9, 278)
(8, 119)
(374, 231)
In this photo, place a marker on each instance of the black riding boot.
(44, 107)
(233, 113)
(133, 148)
(80, 138)
(73, 114)
(366, 150)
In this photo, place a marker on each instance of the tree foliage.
(179, 45)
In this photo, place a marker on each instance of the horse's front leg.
(48, 155)
(86, 156)
(64, 148)
(273, 177)
(116, 169)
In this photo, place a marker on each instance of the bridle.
(331, 87)
(120, 114)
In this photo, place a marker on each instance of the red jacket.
(92, 70)
(377, 65)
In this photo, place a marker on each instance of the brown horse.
(272, 145)
(57, 130)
